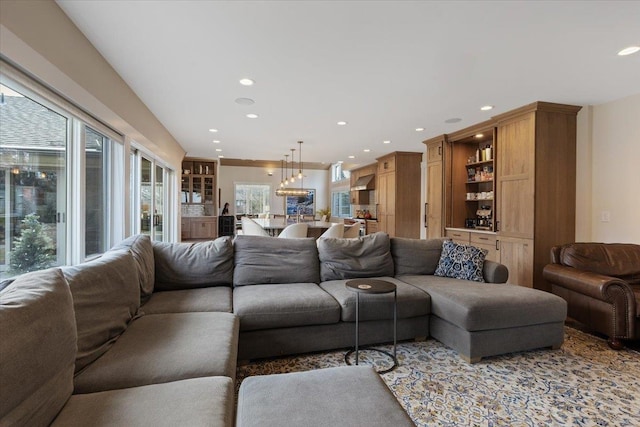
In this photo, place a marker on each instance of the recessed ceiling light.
(340, 161)
(342, 123)
(386, 142)
(479, 135)
(216, 141)
(221, 156)
(629, 50)
(252, 116)
(486, 107)
(419, 129)
(453, 120)
(218, 149)
(213, 130)
(352, 157)
(245, 101)
(366, 150)
(246, 82)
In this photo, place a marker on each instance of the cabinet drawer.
(492, 252)
(387, 165)
(461, 236)
(483, 239)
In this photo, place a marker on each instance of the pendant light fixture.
(293, 178)
(300, 162)
(283, 190)
(281, 173)
(286, 165)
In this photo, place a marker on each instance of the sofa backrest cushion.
(193, 265)
(142, 251)
(621, 260)
(37, 348)
(263, 260)
(106, 296)
(415, 256)
(367, 256)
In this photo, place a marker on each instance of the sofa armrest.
(494, 272)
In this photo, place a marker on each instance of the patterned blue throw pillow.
(461, 262)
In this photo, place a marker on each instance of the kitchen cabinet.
(398, 194)
(360, 192)
(198, 197)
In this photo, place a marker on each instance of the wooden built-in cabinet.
(398, 194)
(530, 187)
(198, 199)
(434, 207)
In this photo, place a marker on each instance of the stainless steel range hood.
(367, 182)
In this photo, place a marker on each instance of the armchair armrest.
(598, 286)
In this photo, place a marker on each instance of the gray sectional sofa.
(150, 333)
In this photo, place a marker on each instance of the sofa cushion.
(280, 306)
(412, 301)
(106, 296)
(475, 306)
(342, 396)
(193, 265)
(620, 260)
(263, 260)
(367, 256)
(37, 348)
(203, 402)
(461, 262)
(415, 256)
(142, 251)
(216, 298)
(160, 348)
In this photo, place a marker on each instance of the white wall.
(608, 172)
(230, 175)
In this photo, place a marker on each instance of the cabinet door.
(208, 188)
(197, 190)
(434, 200)
(185, 229)
(515, 186)
(517, 256)
(434, 152)
(203, 229)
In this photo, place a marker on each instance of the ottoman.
(343, 396)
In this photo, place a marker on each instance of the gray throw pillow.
(263, 260)
(367, 256)
(142, 251)
(106, 296)
(193, 265)
(415, 256)
(461, 262)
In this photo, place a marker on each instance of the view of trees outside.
(32, 185)
(252, 199)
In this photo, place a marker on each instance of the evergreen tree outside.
(32, 250)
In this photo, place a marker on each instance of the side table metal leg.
(357, 326)
(395, 322)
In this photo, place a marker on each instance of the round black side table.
(373, 286)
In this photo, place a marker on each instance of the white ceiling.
(384, 67)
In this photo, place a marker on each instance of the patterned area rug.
(583, 384)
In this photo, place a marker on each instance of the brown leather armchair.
(601, 284)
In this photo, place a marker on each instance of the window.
(252, 199)
(33, 184)
(96, 192)
(340, 204)
(150, 180)
(338, 174)
(49, 150)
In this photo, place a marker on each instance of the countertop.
(471, 230)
